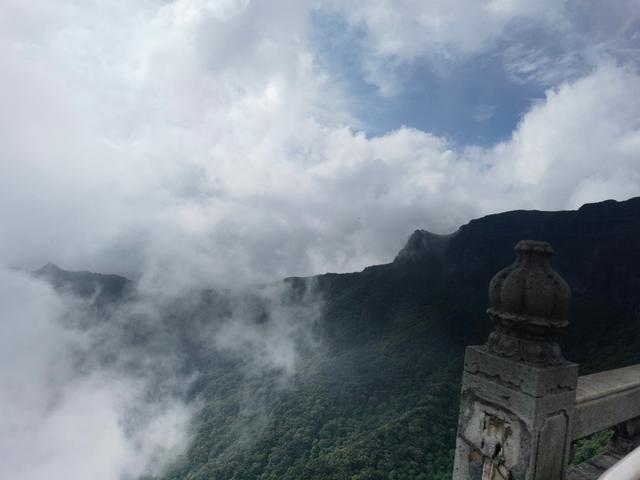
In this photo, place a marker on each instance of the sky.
(193, 143)
(219, 142)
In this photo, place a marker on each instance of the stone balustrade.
(606, 399)
(522, 404)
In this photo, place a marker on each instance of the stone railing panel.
(606, 399)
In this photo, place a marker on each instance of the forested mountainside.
(372, 393)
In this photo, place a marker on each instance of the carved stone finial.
(529, 304)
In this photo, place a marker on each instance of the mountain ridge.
(379, 400)
(423, 243)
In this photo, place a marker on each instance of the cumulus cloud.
(583, 133)
(441, 32)
(543, 43)
(193, 143)
(197, 143)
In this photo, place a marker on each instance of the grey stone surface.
(526, 410)
(529, 304)
(521, 402)
(606, 399)
(529, 379)
(518, 393)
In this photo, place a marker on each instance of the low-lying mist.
(99, 390)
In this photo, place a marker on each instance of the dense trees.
(379, 400)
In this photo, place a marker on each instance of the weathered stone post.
(518, 392)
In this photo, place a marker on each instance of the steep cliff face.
(597, 247)
(423, 245)
(597, 252)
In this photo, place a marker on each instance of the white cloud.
(61, 419)
(269, 327)
(200, 142)
(483, 113)
(413, 28)
(109, 396)
(441, 31)
(584, 130)
(544, 42)
(527, 64)
(195, 143)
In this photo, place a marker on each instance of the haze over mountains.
(349, 375)
(197, 153)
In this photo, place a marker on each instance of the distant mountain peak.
(86, 284)
(424, 243)
(49, 268)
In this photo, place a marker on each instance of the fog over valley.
(188, 186)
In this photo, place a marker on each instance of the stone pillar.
(518, 393)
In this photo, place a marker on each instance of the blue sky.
(476, 98)
(191, 144)
(470, 100)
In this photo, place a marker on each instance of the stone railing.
(606, 399)
(522, 404)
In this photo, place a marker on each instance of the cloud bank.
(202, 142)
(110, 392)
(65, 415)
